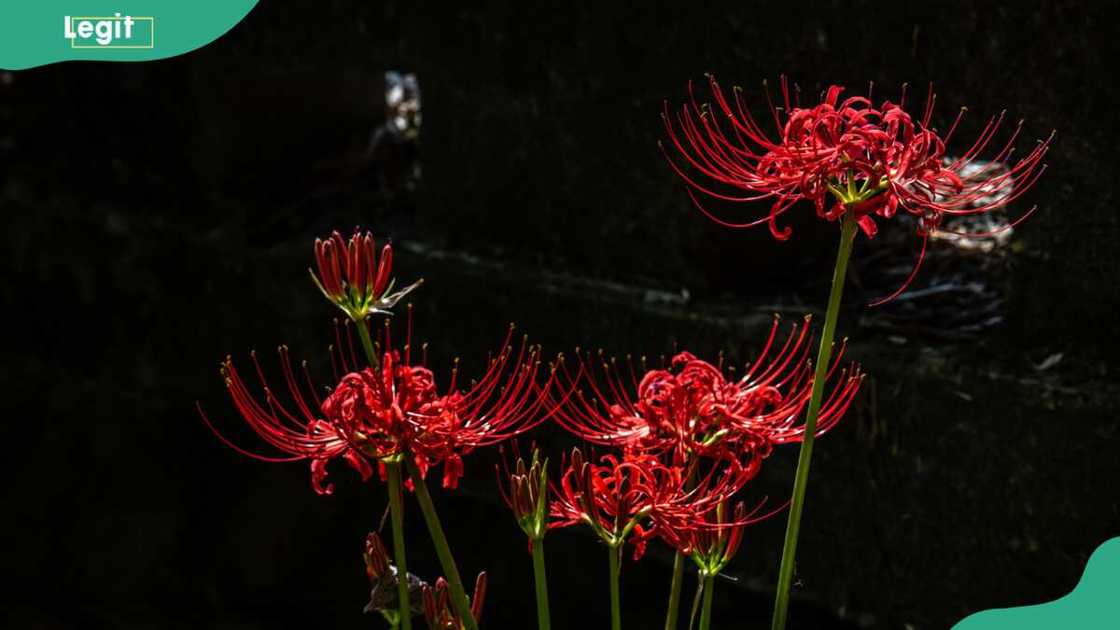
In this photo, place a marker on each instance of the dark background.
(160, 215)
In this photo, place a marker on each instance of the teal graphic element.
(39, 32)
(1093, 604)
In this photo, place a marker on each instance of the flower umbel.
(354, 278)
(383, 413)
(873, 161)
(371, 407)
(627, 499)
(713, 542)
(693, 408)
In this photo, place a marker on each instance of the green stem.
(801, 480)
(706, 611)
(396, 503)
(675, 592)
(367, 344)
(615, 551)
(541, 582)
(677, 584)
(459, 599)
(396, 508)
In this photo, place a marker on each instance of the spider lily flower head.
(438, 611)
(626, 499)
(694, 409)
(367, 416)
(398, 410)
(713, 539)
(525, 491)
(385, 413)
(871, 160)
(613, 497)
(354, 278)
(370, 408)
(685, 516)
(713, 547)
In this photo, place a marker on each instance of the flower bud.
(354, 278)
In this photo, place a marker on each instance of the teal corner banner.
(1094, 604)
(39, 32)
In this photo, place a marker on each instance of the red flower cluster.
(872, 160)
(378, 414)
(719, 542)
(694, 409)
(370, 408)
(686, 440)
(714, 545)
(632, 498)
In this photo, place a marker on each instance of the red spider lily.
(392, 410)
(438, 611)
(873, 161)
(353, 278)
(713, 540)
(629, 498)
(371, 408)
(694, 409)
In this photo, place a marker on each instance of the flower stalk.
(675, 588)
(525, 490)
(367, 344)
(615, 554)
(393, 470)
(677, 584)
(540, 580)
(801, 479)
(708, 585)
(459, 599)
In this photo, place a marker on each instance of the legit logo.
(116, 31)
